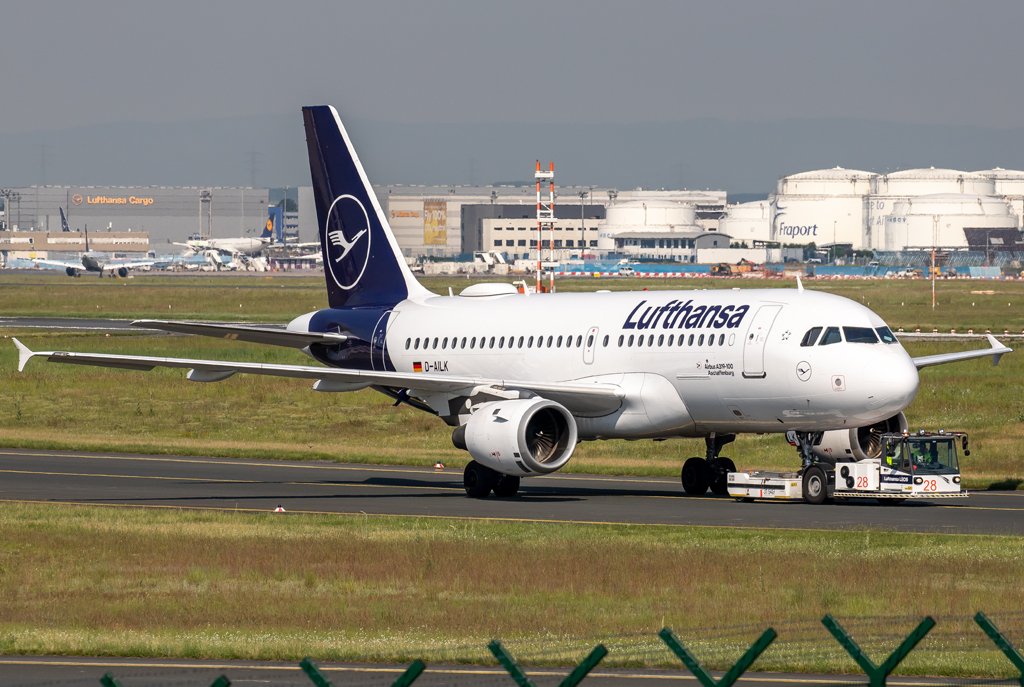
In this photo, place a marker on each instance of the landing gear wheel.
(719, 470)
(815, 485)
(695, 476)
(479, 480)
(508, 485)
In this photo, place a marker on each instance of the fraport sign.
(798, 229)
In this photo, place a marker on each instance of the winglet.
(24, 354)
(1000, 349)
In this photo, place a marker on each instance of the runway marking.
(483, 672)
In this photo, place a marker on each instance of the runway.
(305, 487)
(27, 671)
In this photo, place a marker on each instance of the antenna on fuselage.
(799, 284)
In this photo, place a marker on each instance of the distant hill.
(741, 156)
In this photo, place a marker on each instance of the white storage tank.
(822, 206)
(894, 187)
(1009, 184)
(646, 216)
(939, 220)
(748, 222)
(836, 181)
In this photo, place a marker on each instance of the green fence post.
(581, 671)
(733, 674)
(877, 674)
(313, 673)
(414, 670)
(509, 664)
(109, 680)
(571, 680)
(1002, 642)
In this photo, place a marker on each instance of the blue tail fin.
(362, 262)
(63, 220)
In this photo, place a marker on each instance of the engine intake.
(859, 443)
(528, 436)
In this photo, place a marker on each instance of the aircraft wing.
(237, 332)
(996, 350)
(577, 397)
(128, 265)
(63, 264)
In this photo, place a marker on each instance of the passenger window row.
(833, 335)
(551, 341)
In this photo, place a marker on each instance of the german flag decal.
(417, 367)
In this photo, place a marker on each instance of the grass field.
(115, 581)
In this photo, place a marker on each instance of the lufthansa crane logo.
(346, 239)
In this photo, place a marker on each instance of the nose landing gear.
(698, 474)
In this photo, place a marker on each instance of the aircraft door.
(589, 344)
(757, 337)
(379, 358)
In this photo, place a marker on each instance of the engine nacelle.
(71, 271)
(526, 436)
(122, 272)
(858, 443)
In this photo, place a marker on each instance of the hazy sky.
(74, 64)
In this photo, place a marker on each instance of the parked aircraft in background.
(523, 378)
(230, 246)
(92, 262)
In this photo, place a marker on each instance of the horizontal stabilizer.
(276, 336)
(996, 350)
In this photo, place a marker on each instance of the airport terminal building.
(167, 214)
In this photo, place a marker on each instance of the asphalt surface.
(30, 671)
(303, 487)
(91, 324)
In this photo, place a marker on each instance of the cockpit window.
(886, 335)
(831, 336)
(811, 337)
(860, 335)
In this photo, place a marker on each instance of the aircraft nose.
(895, 382)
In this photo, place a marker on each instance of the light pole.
(583, 225)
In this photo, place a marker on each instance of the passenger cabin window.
(860, 335)
(811, 337)
(831, 336)
(886, 335)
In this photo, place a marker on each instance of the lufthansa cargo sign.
(144, 201)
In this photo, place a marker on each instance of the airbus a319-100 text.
(523, 379)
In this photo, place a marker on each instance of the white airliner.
(93, 262)
(231, 246)
(523, 378)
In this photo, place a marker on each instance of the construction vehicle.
(924, 465)
(728, 269)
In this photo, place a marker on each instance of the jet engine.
(858, 443)
(526, 436)
(71, 271)
(122, 272)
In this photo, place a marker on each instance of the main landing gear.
(480, 480)
(698, 474)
